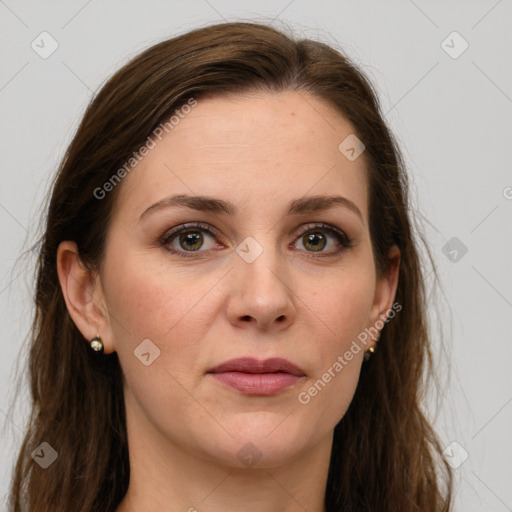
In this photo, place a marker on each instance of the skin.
(260, 152)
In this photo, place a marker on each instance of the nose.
(260, 293)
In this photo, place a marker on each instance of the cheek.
(341, 313)
(342, 303)
(148, 300)
(146, 297)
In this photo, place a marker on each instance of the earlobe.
(82, 293)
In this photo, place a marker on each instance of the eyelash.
(345, 241)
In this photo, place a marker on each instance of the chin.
(259, 444)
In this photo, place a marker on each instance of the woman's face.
(263, 283)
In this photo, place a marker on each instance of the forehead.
(252, 148)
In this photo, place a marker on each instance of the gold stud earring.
(368, 353)
(96, 345)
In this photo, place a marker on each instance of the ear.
(385, 292)
(83, 295)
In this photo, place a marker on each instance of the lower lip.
(262, 384)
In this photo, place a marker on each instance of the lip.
(258, 377)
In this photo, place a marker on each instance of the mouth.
(259, 378)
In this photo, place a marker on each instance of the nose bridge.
(259, 265)
(261, 292)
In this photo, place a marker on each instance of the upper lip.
(251, 365)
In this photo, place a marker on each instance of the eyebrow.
(210, 204)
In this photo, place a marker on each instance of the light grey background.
(452, 117)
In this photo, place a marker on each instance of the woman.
(229, 306)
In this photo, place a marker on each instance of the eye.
(187, 238)
(315, 238)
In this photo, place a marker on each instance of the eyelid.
(346, 240)
(188, 226)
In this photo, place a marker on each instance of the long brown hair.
(385, 454)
